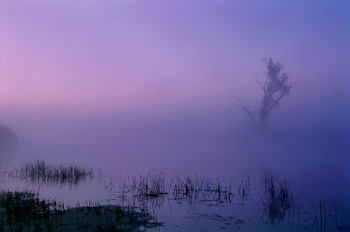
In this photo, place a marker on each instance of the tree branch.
(261, 85)
(245, 108)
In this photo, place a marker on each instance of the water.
(185, 203)
(313, 159)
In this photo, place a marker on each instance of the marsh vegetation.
(24, 211)
(133, 203)
(43, 173)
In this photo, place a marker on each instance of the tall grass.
(151, 185)
(244, 189)
(201, 188)
(277, 200)
(41, 172)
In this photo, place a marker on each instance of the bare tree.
(275, 86)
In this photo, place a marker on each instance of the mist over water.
(312, 156)
(134, 87)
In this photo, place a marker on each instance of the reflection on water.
(184, 203)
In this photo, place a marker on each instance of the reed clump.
(278, 199)
(41, 172)
(244, 189)
(201, 188)
(151, 185)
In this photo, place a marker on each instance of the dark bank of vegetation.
(24, 211)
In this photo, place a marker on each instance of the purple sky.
(132, 79)
(117, 56)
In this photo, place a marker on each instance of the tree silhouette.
(275, 86)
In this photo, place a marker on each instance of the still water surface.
(192, 203)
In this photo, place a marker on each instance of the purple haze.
(131, 86)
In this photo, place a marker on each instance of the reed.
(244, 189)
(151, 185)
(277, 200)
(40, 172)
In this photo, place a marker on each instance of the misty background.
(131, 87)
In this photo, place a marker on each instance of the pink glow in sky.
(127, 55)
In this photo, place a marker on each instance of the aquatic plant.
(151, 185)
(40, 172)
(244, 189)
(277, 199)
(24, 211)
(201, 188)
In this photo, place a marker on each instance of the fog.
(310, 149)
(133, 89)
